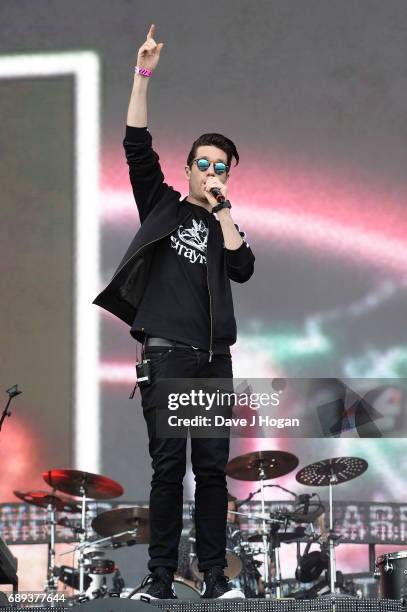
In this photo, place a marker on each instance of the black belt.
(164, 342)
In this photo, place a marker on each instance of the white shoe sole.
(233, 594)
(143, 597)
(146, 597)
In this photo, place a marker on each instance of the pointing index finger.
(151, 31)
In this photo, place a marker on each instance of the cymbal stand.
(51, 584)
(82, 539)
(267, 590)
(332, 556)
(277, 572)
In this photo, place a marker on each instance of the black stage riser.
(246, 605)
(283, 605)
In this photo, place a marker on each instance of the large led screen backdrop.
(313, 94)
(36, 238)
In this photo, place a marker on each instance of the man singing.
(173, 288)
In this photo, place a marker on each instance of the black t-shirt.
(175, 304)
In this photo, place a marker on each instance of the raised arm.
(146, 177)
(148, 57)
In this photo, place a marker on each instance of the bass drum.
(391, 568)
(184, 589)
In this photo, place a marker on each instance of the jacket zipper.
(210, 302)
(141, 249)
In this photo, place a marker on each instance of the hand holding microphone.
(215, 191)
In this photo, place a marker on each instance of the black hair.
(216, 140)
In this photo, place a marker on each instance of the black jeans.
(209, 458)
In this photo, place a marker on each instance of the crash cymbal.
(339, 469)
(44, 498)
(124, 519)
(249, 466)
(74, 482)
(284, 538)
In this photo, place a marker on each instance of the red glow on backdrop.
(18, 458)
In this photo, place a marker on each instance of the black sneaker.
(216, 586)
(157, 585)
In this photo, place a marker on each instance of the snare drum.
(391, 569)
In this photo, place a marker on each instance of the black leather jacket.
(161, 211)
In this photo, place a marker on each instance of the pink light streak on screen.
(358, 221)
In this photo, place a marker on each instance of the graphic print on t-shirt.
(191, 241)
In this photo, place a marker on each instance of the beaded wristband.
(145, 72)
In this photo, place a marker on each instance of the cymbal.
(274, 463)
(43, 499)
(72, 481)
(340, 469)
(124, 519)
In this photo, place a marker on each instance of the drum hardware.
(311, 565)
(51, 503)
(97, 568)
(285, 538)
(101, 566)
(70, 576)
(307, 511)
(264, 465)
(108, 540)
(391, 570)
(87, 486)
(274, 486)
(257, 516)
(332, 472)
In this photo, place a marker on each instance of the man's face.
(197, 178)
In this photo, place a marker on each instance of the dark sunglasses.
(219, 167)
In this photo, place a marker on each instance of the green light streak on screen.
(287, 346)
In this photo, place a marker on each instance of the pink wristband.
(145, 72)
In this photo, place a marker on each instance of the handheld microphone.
(217, 194)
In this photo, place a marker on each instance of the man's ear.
(187, 172)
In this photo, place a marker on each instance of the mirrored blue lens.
(220, 168)
(203, 164)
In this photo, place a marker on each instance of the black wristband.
(224, 204)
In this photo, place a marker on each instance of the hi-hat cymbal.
(335, 470)
(76, 482)
(43, 499)
(261, 465)
(124, 519)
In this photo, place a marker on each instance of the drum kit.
(253, 555)
(88, 577)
